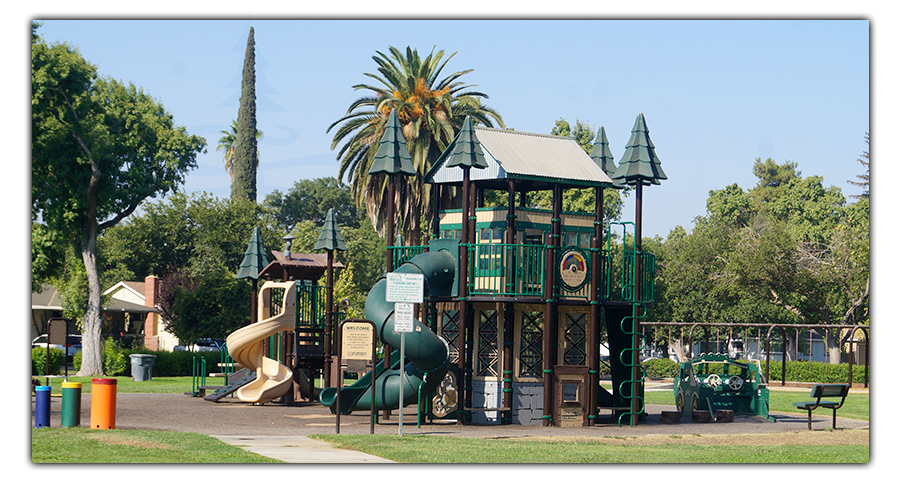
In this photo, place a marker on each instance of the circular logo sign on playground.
(573, 269)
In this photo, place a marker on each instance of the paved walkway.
(281, 432)
(299, 450)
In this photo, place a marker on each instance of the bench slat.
(829, 390)
(808, 404)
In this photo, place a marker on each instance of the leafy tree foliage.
(582, 133)
(212, 306)
(310, 200)
(48, 254)
(788, 251)
(99, 148)
(365, 251)
(246, 158)
(864, 178)
(198, 233)
(431, 110)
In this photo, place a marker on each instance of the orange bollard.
(103, 404)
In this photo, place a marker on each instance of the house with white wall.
(146, 323)
(129, 310)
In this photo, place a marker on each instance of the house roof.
(118, 305)
(48, 299)
(539, 159)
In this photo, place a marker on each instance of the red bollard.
(103, 404)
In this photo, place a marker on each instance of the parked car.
(203, 344)
(73, 341)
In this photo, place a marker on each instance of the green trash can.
(142, 367)
(71, 405)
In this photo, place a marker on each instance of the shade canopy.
(392, 157)
(534, 161)
(254, 258)
(330, 237)
(639, 164)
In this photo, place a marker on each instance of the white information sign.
(403, 317)
(404, 287)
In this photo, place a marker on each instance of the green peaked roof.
(254, 258)
(602, 155)
(639, 163)
(392, 156)
(465, 150)
(330, 237)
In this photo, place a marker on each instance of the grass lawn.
(856, 406)
(84, 445)
(648, 449)
(156, 385)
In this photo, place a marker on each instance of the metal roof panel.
(527, 155)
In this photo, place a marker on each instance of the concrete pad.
(299, 450)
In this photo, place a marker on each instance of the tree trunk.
(91, 322)
(91, 361)
(790, 346)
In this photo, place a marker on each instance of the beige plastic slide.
(246, 345)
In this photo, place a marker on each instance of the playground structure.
(246, 345)
(714, 382)
(519, 300)
(428, 354)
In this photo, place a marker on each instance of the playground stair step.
(235, 382)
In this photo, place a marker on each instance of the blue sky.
(716, 94)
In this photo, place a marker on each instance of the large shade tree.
(788, 251)
(99, 148)
(431, 110)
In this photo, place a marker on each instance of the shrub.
(661, 368)
(178, 363)
(39, 361)
(114, 359)
(817, 372)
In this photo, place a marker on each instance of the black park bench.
(826, 396)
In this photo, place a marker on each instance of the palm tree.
(431, 111)
(226, 143)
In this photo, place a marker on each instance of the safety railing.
(310, 310)
(511, 270)
(402, 254)
(520, 270)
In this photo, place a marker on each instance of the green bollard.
(71, 405)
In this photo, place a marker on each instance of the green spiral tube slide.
(427, 354)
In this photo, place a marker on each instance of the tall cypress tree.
(246, 159)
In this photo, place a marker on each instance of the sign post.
(404, 289)
(58, 334)
(403, 323)
(357, 346)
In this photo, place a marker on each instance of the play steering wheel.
(735, 382)
(713, 381)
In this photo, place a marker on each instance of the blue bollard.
(42, 406)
